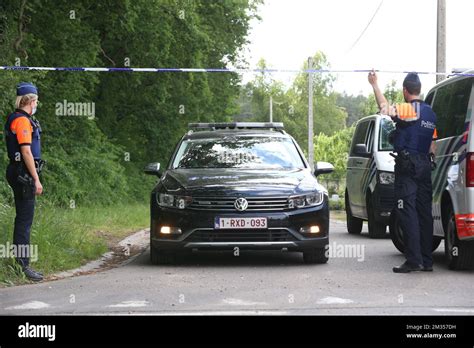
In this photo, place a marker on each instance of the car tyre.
(354, 225)
(314, 256)
(377, 229)
(161, 257)
(396, 234)
(459, 254)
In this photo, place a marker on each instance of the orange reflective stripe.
(406, 112)
(21, 126)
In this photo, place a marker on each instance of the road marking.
(128, 304)
(211, 313)
(239, 302)
(333, 300)
(29, 305)
(462, 310)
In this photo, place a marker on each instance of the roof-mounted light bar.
(237, 125)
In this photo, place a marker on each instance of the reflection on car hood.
(265, 182)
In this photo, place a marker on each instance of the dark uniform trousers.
(25, 208)
(413, 190)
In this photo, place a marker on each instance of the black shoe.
(32, 274)
(407, 268)
(427, 269)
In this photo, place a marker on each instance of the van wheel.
(376, 229)
(317, 255)
(459, 254)
(396, 234)
(354, 225)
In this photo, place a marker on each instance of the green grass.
(69, 238)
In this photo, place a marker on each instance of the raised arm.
(379, 97)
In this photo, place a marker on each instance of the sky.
(401, 37)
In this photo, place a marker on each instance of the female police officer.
(22, 132)
(412, 141)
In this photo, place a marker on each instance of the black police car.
(238, 185)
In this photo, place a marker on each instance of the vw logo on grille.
(241, 204)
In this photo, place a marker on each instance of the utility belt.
(407, 162)
(39, 165)
(25, 179)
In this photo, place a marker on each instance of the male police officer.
(22, 135)
(412, 140)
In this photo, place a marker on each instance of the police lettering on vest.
(415, 126)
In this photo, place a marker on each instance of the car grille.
(227, 203)
(271, 235)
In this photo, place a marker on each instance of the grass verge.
(69, 238)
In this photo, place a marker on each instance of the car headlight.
(304, 201)
(386, 178)
(172, 201)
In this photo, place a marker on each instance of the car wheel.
(315, 256)
(161, 257)
(377, 229)
(396, 234)
(459, 254)
(354, 225)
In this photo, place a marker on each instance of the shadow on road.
(247, 258)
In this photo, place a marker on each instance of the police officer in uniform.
(413, 142)
(22, 134)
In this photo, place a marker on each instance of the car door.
(356, 168)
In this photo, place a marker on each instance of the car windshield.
(386, 127)
(239, 152)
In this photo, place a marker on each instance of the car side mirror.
(153, 169)
(361, 150)
(323, 168)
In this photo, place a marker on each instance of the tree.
(138, 117)
(334, 149)
(353, 105)
(291, 105)
(392, 94)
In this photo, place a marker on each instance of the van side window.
(386, 127)
(450, 106)
(359, 135)
(429, 98)
(369, 142)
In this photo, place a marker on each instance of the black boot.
(32, 274)
(407, 268)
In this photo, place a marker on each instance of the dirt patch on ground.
(120, 252)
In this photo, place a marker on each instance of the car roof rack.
(456, 71)
(237, 125)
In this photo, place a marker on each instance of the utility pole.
(271, 108)
(310, 115)
(441, 41)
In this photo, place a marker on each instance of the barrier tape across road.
(221, 70)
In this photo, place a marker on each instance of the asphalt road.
(257, 283)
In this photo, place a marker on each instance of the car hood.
(227, 181)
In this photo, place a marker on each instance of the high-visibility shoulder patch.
(21, 126)
(406, 112)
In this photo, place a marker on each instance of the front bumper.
(198, 230)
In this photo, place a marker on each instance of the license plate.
(240, 223)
